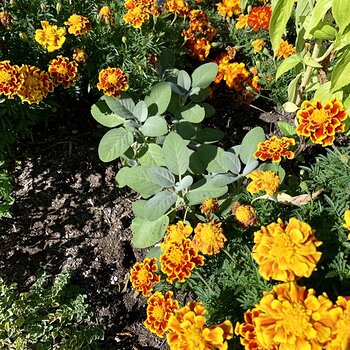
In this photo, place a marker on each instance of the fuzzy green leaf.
(288, 64)
(203, 76)
(152, 156)
(101, 113)
(159, 98)
(138, 208)
(208, 135)
(161, 176)
(184, 80)
(232, 162)
(201, 158)
(141, 111)
(159, 204)
(154, 126)
(250, 144)
(192, 113)
(122, 106)
(187, 181)
(287, 129)
(176, 154)
(204, 189)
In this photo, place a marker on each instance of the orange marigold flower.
(180, 7)
(258, 45)
(112, 81)
(199, 48)
(159, 309)
(5, 19)
(286, 252)
(209, 206)
(266, 181)
(259, 17)
(242, 21)
(285, 49)
(229, 8)
(188, 330)
(106, 14)
(50, 37)
(320, 121)
(136, 16)
(79, 55)
(236, 76)
(11, 79)
(291, 317)
(176, 232)
(64, 72)
(244, 214)
(36, 86)
(340, 315)
(209, 237)
(143, 276)
(78, 25)
(179, 259)
(275, 148)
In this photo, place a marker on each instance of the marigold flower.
(286, 252)
(258, 45)
(347, 221)
(180, 7)
(64, 72)
(209, 206)
(199, 48)
(50, 37)
(236, 76)
(112, 81)
(136, 17)
(188, 330)
(78, 25)
(242, 21)
(143, 276)
(228, 8)
(291, 317)
(259, 17)
(176, 232)
(179, 259)
(285, 49)
(5, 19)
(36, 85)
(209, 237)
(11, 79)
(321, 121)
(79, 55)
(275, 148)
(159, 309)
(244, 214)
(106, 14)
(266, 181)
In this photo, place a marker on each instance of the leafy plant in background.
(6, 200)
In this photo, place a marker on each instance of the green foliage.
(46, 316)
(6, 200)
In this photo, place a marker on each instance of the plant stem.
(203, 280)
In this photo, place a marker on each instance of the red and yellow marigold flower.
(50, 37)
(228, 8)
(244, 214)
(5, 19)
(143, 276)
(321, 121)
(112, 81)
(275, 148)
(286, 252)
(36, 85)
(258, 45)
(209, 237)
(11, 79)
(159, 309)
(285, 49)
(259, 17)
(63, 72)
(105, 13)
(199, 48)
(180, 7)
(291, 317)
(242, 21)
(266, 181)
(78, 25)
(136, 17)
(79, 55)
(209, 206)
(188, 330)
(176, 232)
(179, 259)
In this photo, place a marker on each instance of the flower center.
(112, 79)
(62, 69)
(143, 276)
(282, 246)
(194, 338)
(5, 76)
(320, 116)
(176, 256)
(158, 313)
(243, 214)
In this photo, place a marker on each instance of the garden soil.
(69, 214)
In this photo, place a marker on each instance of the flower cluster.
(275, 148)
(286, 252)
(285, 50)
(259, 17)
(228, 8)
(78, 25)
(11, 79)
(50, 37)
(179, 7)
(321, 121)
(111, 81)
(266, 181)
(176, 232)
(139, 11)
(63, 72)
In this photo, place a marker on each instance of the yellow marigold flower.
(222, 60)
(106, 14)
(244, 214)
(176, 232)
(199, 48)
(36, 86)
(5, 19)
(179, 259)
(143, 276)
(188, 330)
(209, 237)
(285, 50)
(63, 72)
(286, 252)
(50, 37)
(180, 7)
(259, 17)
(11, 79)
(79, 55)
(159, 309)
(275, 148)
(291, 317)
(242, 22)
(112, 81)
(236, 76)
(321, 121)
(347, 221)
(258, 45)
(228, 8)
(136, 17)
(209, 206)
(78, 25)
(340, 315)
(266, 181)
